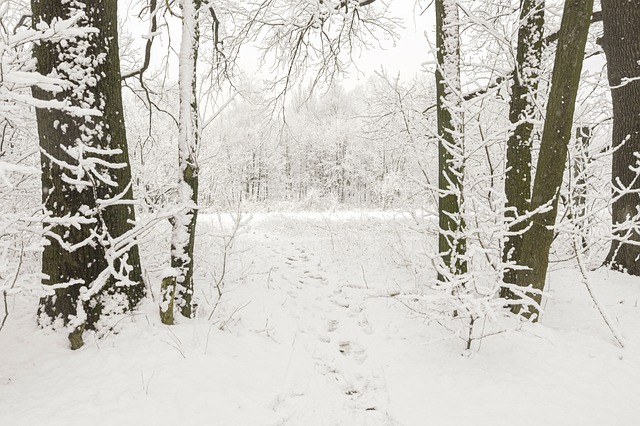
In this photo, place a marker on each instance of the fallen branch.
(605, 315)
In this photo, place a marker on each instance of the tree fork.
(556, 135)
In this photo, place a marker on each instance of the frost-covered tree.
(90, 261)
(452, 244)
(522, 109)
(177, 288)
(556, 136)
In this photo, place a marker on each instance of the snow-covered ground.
(307, 333)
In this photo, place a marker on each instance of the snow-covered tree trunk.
(621, 44)
(452, 243)
(86, 177)
(553, 148)
(517, 183)
(178, 287)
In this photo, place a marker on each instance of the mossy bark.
(556, 135)
(167, 294)
(526, 75)
(59, 131)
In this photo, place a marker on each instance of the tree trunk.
(556, 135)
(180, 286)
(85, 167)
(621, 44)
(526, 75)
(451, 241)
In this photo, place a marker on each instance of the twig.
(235, 311)
(214, 308)
(153, 12)
(4, 293)
(605, 315)
(364, 277)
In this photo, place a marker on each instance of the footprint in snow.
(365, 326)
(332, 325)
(348, 348)
(340, 301)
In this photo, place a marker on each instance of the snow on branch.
(18, 68)
(314, 40)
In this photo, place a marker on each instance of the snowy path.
(332, 331)
(304, 336)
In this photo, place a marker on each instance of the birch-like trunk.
(177, 289)
(451, 242)
(556, 135)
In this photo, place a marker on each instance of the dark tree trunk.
(556, 135)
(452, 245)
(621, 44)
(76, 256)
(517, 183)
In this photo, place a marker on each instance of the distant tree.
(89, 262)
(621, 44)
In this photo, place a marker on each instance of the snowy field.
(309, 331)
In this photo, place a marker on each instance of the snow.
(308, 332)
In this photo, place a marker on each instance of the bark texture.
(556, 135)
(180, 286)
(451, 242)
(621, 44)
(80, 185)
(521, 112)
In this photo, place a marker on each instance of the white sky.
(406, 56)
(410, 51)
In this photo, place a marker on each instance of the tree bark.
(556, 135)
(451, 241)
(85, 166)
(621, 44)
(180, 285)
(521, 112)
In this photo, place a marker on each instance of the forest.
(319, 212)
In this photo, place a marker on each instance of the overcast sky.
(406, 56)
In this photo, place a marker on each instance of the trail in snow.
(303, 336)
(332, 330)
